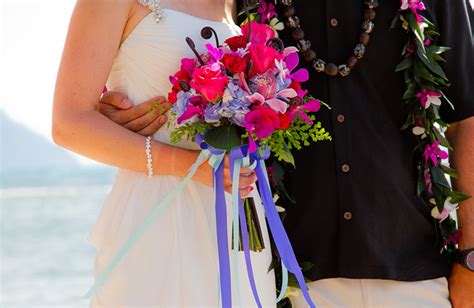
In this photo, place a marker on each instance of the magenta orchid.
(291, 62)
(428, 98)
(434, 153)
(195, 108)
(312, 105)
(414, 6)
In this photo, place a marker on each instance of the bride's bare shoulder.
(138, 10)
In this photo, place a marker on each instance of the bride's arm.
(93, 39)
(92, 42)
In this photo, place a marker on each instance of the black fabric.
(391, 233)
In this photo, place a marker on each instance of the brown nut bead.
(309, 55)
(352, 62)
(364, 38)
(298, 34)
(289, 11)
(331, 69)
(369, 14)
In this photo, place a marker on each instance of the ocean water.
(46, 260)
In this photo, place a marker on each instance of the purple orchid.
(433, 152)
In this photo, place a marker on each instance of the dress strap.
(155, 7)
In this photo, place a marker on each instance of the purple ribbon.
(222, 239)
(277, 230)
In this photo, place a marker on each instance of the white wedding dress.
(175, 263)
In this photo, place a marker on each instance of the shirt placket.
(341, 119)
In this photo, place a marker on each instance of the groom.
(357, 217)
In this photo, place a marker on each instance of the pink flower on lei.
(432, 152)
(266, 11)
(414, 6)
(429, 97)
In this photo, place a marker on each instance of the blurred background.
(49, 198)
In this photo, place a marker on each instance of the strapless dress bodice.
(152, 52)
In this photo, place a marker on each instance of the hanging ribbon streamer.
(280, 237)
(240, 154)
(284, 282)
(235, 171)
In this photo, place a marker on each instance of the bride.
(133, 46)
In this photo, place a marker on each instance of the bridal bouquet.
(244, 98)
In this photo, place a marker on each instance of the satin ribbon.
(235, 171)
(239, 156)
(280, 237)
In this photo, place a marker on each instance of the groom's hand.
(145, 119)
(461, 287)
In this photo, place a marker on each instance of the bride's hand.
(247, 178)
(144, 119)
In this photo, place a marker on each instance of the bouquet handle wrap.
(239, 157)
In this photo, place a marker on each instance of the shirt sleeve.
(452, 18)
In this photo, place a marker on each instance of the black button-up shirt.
(357, 214)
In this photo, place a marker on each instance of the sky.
(32, 34)
(32, 37)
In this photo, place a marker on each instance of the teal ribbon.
(147, 223)
(284, 282)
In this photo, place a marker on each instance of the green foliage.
(300, 134)
(225, 137)
(188, 131)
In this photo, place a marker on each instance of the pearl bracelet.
(149, 159)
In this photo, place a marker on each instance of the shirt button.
(345, 168)
(348, 216)
(341, 118)
(333, 22)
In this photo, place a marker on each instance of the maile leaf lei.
(425, 82)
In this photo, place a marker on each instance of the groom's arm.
(145, 118)
(461, 137)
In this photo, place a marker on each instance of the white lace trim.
(155, 7)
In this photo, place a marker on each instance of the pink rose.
(210, 82)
